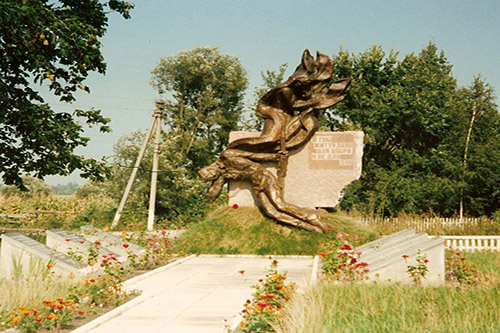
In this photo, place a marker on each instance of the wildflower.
(242, 272)
(163, 232)
(329, 230)
(324, 254)
(462, 258)
(97, 243)
(68, 239)
(38, 319)
(405, 256)
(51, 316)
(426, 261)
(139, 226)
(235, 206)
(125, 245)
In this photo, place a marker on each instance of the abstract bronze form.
(290, 113)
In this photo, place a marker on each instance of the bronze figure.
(290, 120)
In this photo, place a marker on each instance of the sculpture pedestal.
(317, 172)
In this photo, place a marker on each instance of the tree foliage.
(181, 196)
(55, 44)
(207, 90)
(415, 119)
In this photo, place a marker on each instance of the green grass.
(328, 307)
(246, 231)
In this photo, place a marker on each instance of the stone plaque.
(66, 242)
(317, 172)
(28, 252)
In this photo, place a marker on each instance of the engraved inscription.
(332, 152)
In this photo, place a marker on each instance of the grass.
(29, 292)
(329, 307)
(246, 231)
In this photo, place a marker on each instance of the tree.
(476, 142)
(207, 89)
(181, 196)
(57, 44)
(407, 110)
(35, 188)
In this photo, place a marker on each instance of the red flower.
(329, 230)
(426, 261)
(235, 206)
(81, 312)
(125, 245)
(462, 258)
(268, 296)
(139, 226)
(68, 239)
(241, 272)
(404, 256)
(97, 243)
(38, 319)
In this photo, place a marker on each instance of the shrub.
(341, 262)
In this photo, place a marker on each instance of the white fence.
(423, 224)
(472, 243)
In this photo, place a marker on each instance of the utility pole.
(154, 172)
(156, 121)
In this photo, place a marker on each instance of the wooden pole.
(133, 174)
(154, 171)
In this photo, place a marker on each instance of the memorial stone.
(68, 243)
(111, 242)
(386, 262)
(317, 172)
(27, 252)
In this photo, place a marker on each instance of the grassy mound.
(246, 231)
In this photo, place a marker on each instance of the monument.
(290, 112)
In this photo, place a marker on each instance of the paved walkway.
(195, 294)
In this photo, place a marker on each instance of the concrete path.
(196, 294)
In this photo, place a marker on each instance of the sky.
(266, 33)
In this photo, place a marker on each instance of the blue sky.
(265, 34)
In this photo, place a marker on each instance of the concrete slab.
(385, 257)
(196, 294)
(68, 243)
(110, 241)
(28, 252)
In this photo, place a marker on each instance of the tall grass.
(246, 231)
(30, 290)
(328, 307)
(68, 212)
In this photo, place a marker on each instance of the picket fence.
(472, 243)
(423, 224)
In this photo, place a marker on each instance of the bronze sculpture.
(290, 120)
